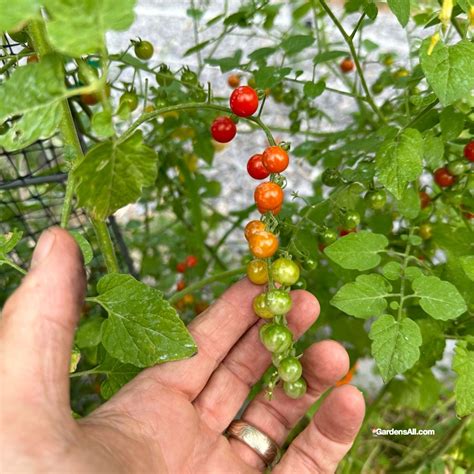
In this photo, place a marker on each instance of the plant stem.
(193, 105)
(105, 245)
(72, 146)
(355, 57)
(206, 281)
(13, 265)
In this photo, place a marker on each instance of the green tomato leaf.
(118, 374)
(467, 264)
(78, 28)
(409, 203)
(89, 333)
(433, 345)
(295, 44)
(9, 241)
(18, 12)
(399, 161)
(143, 329)
(329, 56)
(451, 122)
(102, 124)
(32, 98)
(392, 271)
(357, 250)
(112, 175)
(314, 89)
(401, 9)
(463, 365)
(449, 70)
(433, 150)
(395, 345)
(440, 299)
(363, 298)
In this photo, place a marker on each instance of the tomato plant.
(367, 111)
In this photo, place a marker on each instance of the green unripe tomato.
(289, 97)
(285, 271)
(290, 369)
(457, 168)
(295, 389)
(331, 177)
(312, 112)
(276, 338)
(277, 358)
(295, 126)
(300, 284)
(130, 99)
(263, 328)
(351, 220)
(303, 103)
(310, 264)
(189, 77)
(376, 199)
(425, 231)
(293, 115)
(199, 95)
(328, 236)
(377, 87)
(278, 301)
(164, 76)
(261, 308)
(143, 49)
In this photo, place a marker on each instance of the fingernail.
(43, 247)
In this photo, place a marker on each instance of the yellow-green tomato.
(260, 306)
(276, 338)
(257, 272)
(295, 389)
(285, 271)
(290, 369)
(278, 301)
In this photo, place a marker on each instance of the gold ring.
(257, 441)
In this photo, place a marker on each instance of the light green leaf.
(449, 70)
(142, 329)
(13, 14)
(295, 44)
(32, 95)
(112, 175)
(9, 241)
(357, 250)
(451, 122)
(89, 333)
(467, 264)
(84, 245)
(440, 299)
(433, 150)
(314, 89)
(433, 345)
(363, 298)
(401, 9)
(409, 203)
(399, 161)
(395, 345)
(118, 374)
(78, 28)
(463, 365)
(413, 272)
(392, 271)
(102, 123)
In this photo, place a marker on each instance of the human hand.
(171, 417)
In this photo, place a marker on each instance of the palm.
(171, 417)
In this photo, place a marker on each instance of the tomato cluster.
(278, 275)
(189, 262)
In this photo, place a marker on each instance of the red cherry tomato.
(275, 211)
(347, 65)
(181, 285)
(32, 59)
(223, 129)
(256, 168)
(181, 267)
(244, 101)
(268, 196)
(469, 151)
(344, 232)
(424, 199)
(443, 178)
(275, 159)
(191, 261)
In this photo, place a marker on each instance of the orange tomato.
(263, 244)
(268, 196)
(347, 65)
(348, 377)
(275, 159)
(233, 80)
(253, 227)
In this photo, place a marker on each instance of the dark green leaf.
(295, 44)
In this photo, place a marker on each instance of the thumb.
(37, 324)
